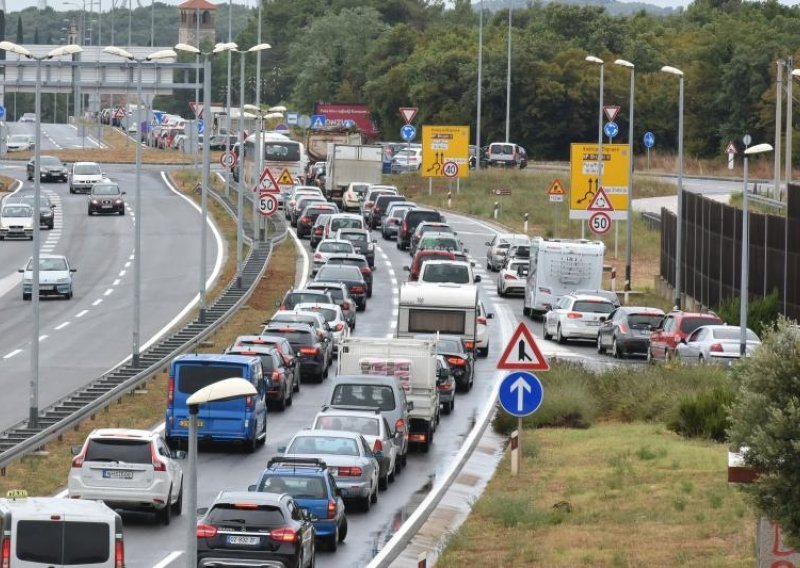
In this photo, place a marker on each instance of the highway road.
(148, 545)
(83, 337)
(58, 136)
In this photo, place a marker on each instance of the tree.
(20, 37)
(765, 419)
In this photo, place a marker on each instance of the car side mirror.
(52, 206)
(282, 450)
(177, 454)
(21, 270)
(683, 341)
(124, 193)
(602, 318)
(251, 488)
(490, 316)
(73, 270)
(378, 455)
(466, 250)
(202, 511)
(477, 278)
(488, 243)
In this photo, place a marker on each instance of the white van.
(446, 308)
(49, 532)
(507, 155)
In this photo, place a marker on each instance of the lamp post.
(601, 63)
(679, 215)
(629, 222)
(137, 240)
(219, 48)
(508, 79)
(33, 415)
(240, 192)
(78, 102)
(745, 276)
(480, 83)
(227, 389)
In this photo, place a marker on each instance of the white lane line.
(81, 313)
(61, 325)
(107, 292)
(299, 246)
(169, 559)
(116, 282)
(97, 302)
(130, 257)
(10, 355)
(122, 273)
(43, 337)
(127, 264)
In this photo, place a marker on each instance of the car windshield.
(445, 273)
(19, 138)
(323, 445)
(295, 336)
(359, 188)
(86, 170)
(368, 426)
(335, 247)
(335, 292)
(371, 396)
(51, 161)
(328, 313)
(644, 321)
(55, 264)
(689, 324)
(17, 211)
(105, 189)
(298, 486)
(438, 242)
(733, 333)
(355, 237)
(267, 363)
(593, 307)
(337, 224)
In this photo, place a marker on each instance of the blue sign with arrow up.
(521, 393)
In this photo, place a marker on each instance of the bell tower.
(197, 22)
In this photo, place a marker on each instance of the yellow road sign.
(583, 179)
(556, 188)
(445, 151)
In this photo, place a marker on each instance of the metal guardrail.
(652, 220)
(20, 440)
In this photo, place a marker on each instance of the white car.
(498, 248)
(28, 117)
(128, 469)
(83, 176)
(512, 277)
(290, 200)
(55, 276)
(326, 248)
(482, 331)
(576, 317)
(355, 192)
(19, 142)
(716, 344)
(452, 271)
(333, 315)
(407, 161)
(16, 221)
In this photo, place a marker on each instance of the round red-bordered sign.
(600, 223)
(267, 204)
(227, 160)
(450, 169)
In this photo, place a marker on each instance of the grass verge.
(45, 474)
(6, 183)
(614, 495)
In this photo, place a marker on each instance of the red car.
(422, 256)
(676, 326)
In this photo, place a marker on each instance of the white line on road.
(107, 292)
(61, 325)
(169, 559)
(81, 313)
(116, 282)
(127, 264)
(43, 337)
(97, 302)
(122, 273)
(10, 355)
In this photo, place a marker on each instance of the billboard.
(336, 114)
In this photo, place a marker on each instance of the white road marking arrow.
(520, 385)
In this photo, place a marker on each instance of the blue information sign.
(408, 133)
(611, 129)
(318, 121)
(158, 116)
(521, 393)
(200, 127)
(649, 139)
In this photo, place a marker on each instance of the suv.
(304, 296)
(83, 176)
(311, 484)
(128, 469)
(378, 211)
(498, 248)
(310, 350)
(244, 528)
(506, 155)
(451, 271)
(413, 218)
(675, 327)
(106, 197)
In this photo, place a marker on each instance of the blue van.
(239, 421)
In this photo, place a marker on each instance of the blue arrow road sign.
(318, 121)
(200, 127)
(408, 133)
(649, 139)
(158, 116)
(2, 112)
(611, 129)
(521, 393)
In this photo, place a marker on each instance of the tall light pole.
(745, 276)
(789, 80)
(480, 84)
(240, 192)
(629, 223)
(599, 182)
(679, 216)
(508, 80)
(137, 240)
(219, 48)
(33, 414)
(228, 94)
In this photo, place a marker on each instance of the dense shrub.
(704, 415)
(762, 313)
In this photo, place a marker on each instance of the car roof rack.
(296, 462)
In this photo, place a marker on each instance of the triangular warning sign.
(522, 353)
(611, 112)
(408, 113)
(266, 183)
(731, 148)
(286, 178)
(556, 188)
(600, 202)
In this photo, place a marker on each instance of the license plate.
(248, 540)
(185, 423)
(106, 206)
(46, 287)
(117, 474)
(593, 323)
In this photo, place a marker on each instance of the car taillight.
(283, 535)
(171, 390)
(5, 559)
(378, 446)
(250, 403)
(339, 326)
(404, 227)
(317, 256)
(77, 461)
(469, 344)
(400, 425)
(206, 531)
(623, 328)
(482, 320)
(574, 315)
(357, 289)
(332, 509)
(509, 277)
(305, 219)
(347, 305)
(349, 471)
(309, 350)
(716, 348)
(158, 465)
(458, 361)
(369, 205)
(277, 377)
(119, 554)
(545, 290)
(444, 386)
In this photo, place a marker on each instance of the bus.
(285, 158)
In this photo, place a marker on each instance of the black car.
(46, 208)
(106, 197)
(318, 230)
(244, 528)
(627, 331)
(379, 209)
(354, 260)
(458, 358)
(50, 169)
(304, 296)
(351, 277)
(279, 377)
(361, 241)
(301, 204)
(308, 217)
(413, 218)
(310, 351)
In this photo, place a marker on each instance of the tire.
(447, 409)
(383, 482)
(332, 542)
(26, 297)
(392, 474)
(701, 360)
(546, 335)
(526, 311)
(280, 404)
(164, 516)
(650, 360)
(325, 372)
(617, 352)
(90, 212)
(252, 444)
(483, 351)
(600, 348)
(122, 212)
(343, 530)
(404, 461)
(290, 399)
(177, 506)
(366, 503)
(398, 466)
(374, 497)
(559, 336)
(296, 386)
(501, 292)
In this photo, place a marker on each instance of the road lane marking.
(122, 273)
(127, 264)
(97, 302)
(116, 282)
(61, 325)
(107, 292)
(43, 337)
(10, 355)
(169, 559)
(81, 313)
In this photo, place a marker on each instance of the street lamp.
(679, 229)
(137, 240)
(258, 161)
(745, 276)
(629, 228)
(219, 48)
(480, 83)
(240, 195)
(33, 416)
(226, 389)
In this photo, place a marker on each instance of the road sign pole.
(430, 186)
(525, 224)
(458, 185)
(515, 448)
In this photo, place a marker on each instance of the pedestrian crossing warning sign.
(286, 178)
(522, 353)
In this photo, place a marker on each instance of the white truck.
(348, 163)
(558, 266)
(413, 363)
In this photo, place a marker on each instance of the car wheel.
(392, 474)
(700, 360)
(616, 351)
(343, 530)
(366, 503)
(177, 506)
(374, 497)
(296, 386)
(122, 211)
(68, 295)
(526, 311)
(25, 296)
(164, 516)
(483, 351)
(560, 336)
(546, 335)
(650, 360)
(332, 543)
(90, 212)
(290, 398)
(453, 404)
(446, 409)
(325, 372)
(600, 348)
(251, 445)
(383, 482)
(281, 404)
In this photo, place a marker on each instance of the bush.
(762, 313)
(704, 415)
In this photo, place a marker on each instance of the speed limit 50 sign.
(600, 223)
(267, 204)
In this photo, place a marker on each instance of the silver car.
(717, 344)
(326, 248)
(349, 457)
(333, 316)
(498, 248)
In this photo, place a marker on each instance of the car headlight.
(94, 202)
(119, 202)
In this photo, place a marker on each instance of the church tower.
(197, 16)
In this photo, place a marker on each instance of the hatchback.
(310, 350)
(279, 378)
(676, 326)
(627, 331)
(55, 276)
(351, 277)
(458, 358)
(106, 197)
(497, 248)
(576, 317)
(362, 242)
(354, 260)
(340, 296)
(327, 248)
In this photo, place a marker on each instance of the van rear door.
(50, 539)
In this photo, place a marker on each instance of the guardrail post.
(430, 186)
(515, 449)
(525, 224)
(613, 279)
(496, 209)
(449, 199)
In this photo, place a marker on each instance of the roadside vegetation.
(44, 474)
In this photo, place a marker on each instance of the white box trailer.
(412, 362)
(348, 163)
(558, 266)
(450, 309)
